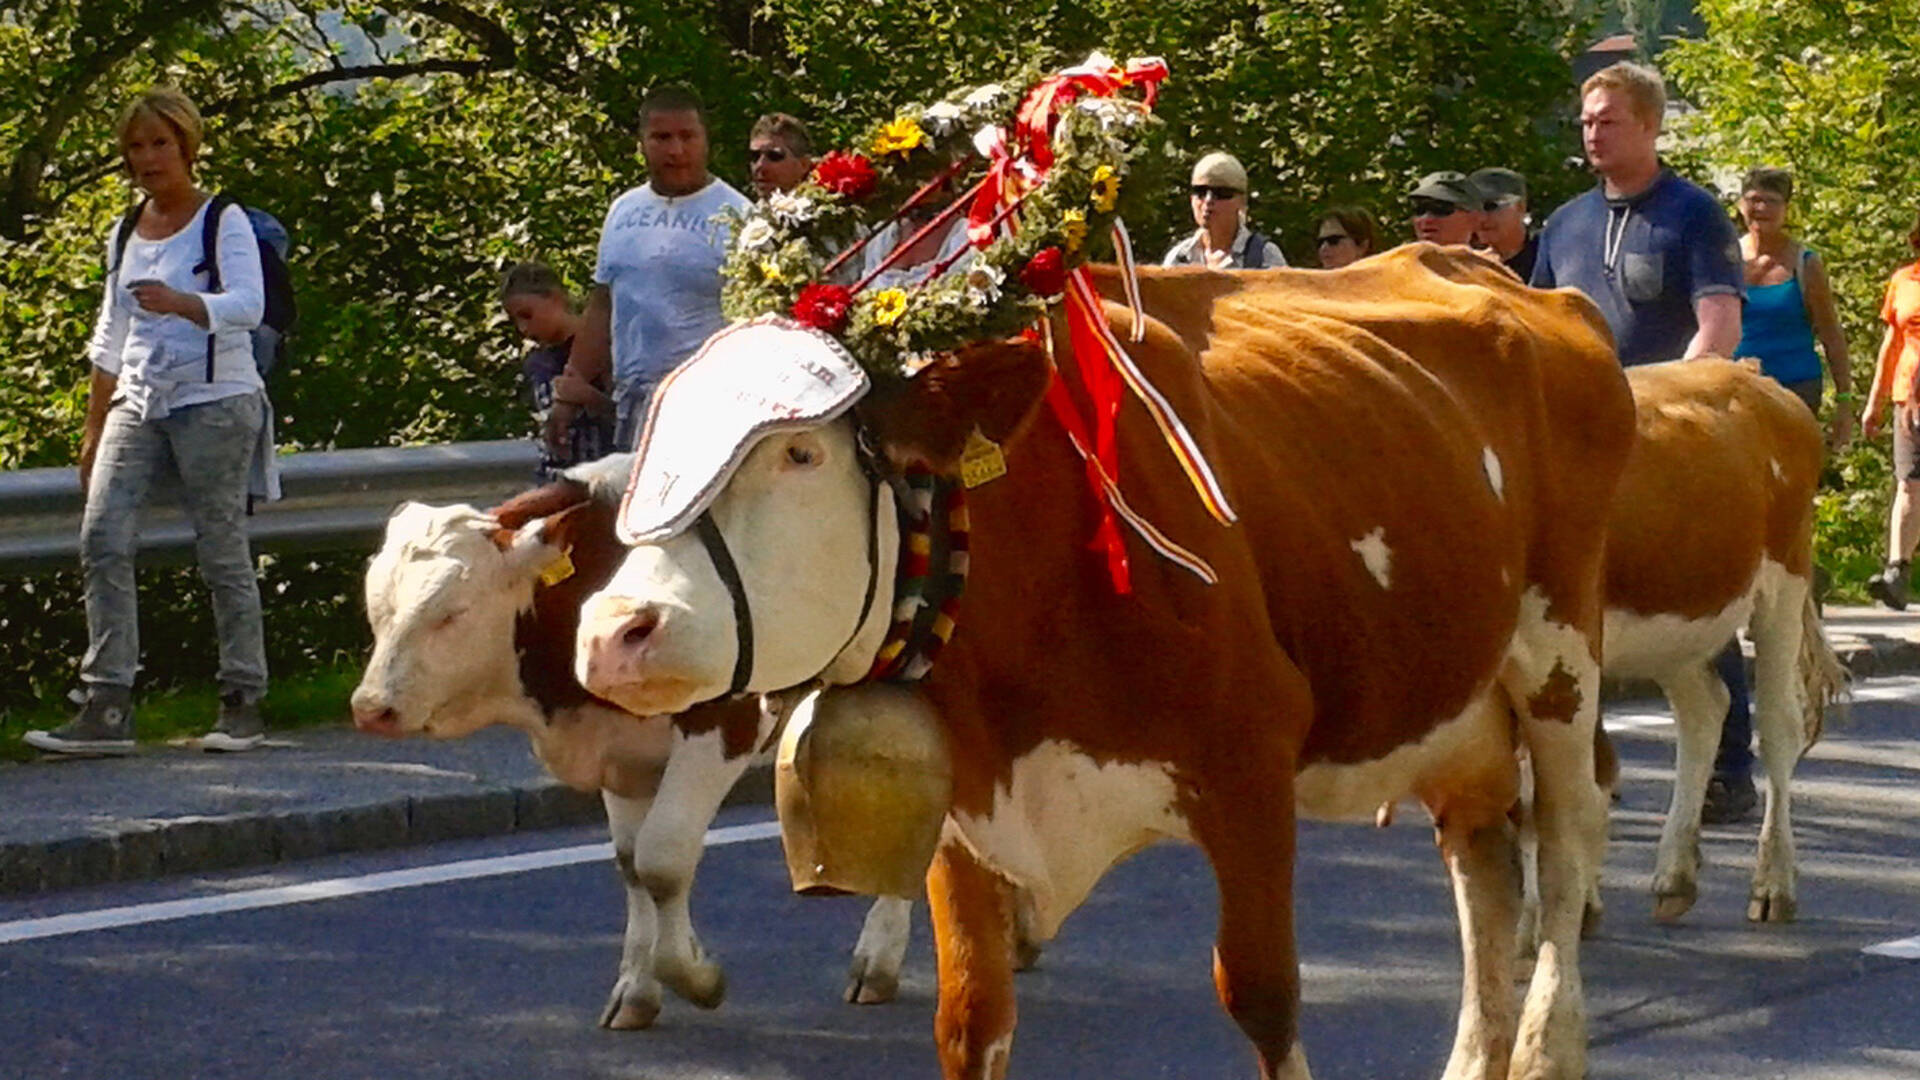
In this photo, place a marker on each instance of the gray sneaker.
(239, 726)
(103, 727)
(1889, 586)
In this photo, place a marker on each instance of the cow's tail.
(1824, 680)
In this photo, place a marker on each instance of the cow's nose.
(373, 713)
(613, 635)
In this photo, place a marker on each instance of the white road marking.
(81, 922)
(1904, 949)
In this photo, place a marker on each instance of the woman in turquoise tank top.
(1790, 303)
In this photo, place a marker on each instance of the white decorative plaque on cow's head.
(746, 382)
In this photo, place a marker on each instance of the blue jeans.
(1736, 735)
(210, 447)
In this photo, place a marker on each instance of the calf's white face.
(661, 636)
(442, 598)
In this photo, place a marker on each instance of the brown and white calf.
(467, 635)
(1421, 452)
(1712, 532)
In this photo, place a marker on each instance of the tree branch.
(362, 71)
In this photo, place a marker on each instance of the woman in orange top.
(1894, 378)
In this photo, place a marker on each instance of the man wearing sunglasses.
(1446, 208)
(1222, 240)
(1503, 219)
(779, 153)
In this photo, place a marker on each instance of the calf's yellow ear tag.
(981, 461)
(558, 570)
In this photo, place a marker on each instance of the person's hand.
(559, 420)
(574, 390)
(158, 298)
(1840, 435)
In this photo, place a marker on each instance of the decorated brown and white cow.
(1421, 454)
(473, 616)
(1712, 531)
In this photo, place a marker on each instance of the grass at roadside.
(307, 700)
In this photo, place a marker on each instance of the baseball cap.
(1220, 169)
(1499, 187)
(1447, 186)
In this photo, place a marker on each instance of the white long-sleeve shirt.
(161, 360)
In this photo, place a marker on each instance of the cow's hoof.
(703, 984)
(1668, 909)
(632, 1006)
(1776, 908)
(868, 983)
(1673, 896)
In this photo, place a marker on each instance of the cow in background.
(1422, 453)
(1712, 531)
(468, 633)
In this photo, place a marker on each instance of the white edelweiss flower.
(983, 284)
(757, 234)
(984, 95)
(941, 117)
(789, 209)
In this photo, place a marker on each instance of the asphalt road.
(401, 974)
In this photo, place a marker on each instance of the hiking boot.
(103, 727)
(1729, 799)
(1889, 586)
(239, 726)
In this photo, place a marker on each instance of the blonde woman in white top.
(174, 389)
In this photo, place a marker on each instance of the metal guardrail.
(334, 500)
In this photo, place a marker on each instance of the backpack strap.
(210, 258)
(1255, 256)
(122, 233)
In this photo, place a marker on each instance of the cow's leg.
(1248, 836)
(1699, 701)
(874, 976)
(972, 921)
(635, 999)
(1481, 858)
(1779, 714)
(1553, 678)
(698, 776)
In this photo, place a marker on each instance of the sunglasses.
(1333, 238)
(1219, 193)
(772, 154)
(1435, 208)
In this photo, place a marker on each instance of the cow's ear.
(581, 531)
(543, 501)
(926, 420)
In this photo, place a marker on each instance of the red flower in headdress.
(824, 305)
(1046, 273)
(849, 176)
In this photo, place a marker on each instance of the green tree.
(1832, 91)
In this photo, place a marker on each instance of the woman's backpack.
(269, 338)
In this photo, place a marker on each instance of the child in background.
(542, 311)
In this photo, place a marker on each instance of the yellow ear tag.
(558, 570)
(981, 461)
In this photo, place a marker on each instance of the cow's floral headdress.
(1041, 164)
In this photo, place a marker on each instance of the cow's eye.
(802, 454)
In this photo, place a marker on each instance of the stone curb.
(166, 847)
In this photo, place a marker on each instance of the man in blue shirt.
(1662, 260)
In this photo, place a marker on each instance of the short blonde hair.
(172, 108)
(1642, 85)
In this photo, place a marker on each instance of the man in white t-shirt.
(656, 293)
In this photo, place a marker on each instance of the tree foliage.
(1832, 91)
(413, 146)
